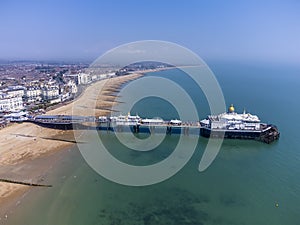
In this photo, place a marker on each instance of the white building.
(55, 100)
(72, 87)
(232, 121)
(15, 91)
(11, 104)
(84, 78)
(33, 94)
(49, 93)
(17, 117)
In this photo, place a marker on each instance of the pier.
(266, 133)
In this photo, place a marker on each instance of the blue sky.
(231, 30)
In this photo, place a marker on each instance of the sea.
(248, 183)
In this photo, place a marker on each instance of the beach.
(26, 156)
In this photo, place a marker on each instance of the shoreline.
(37, 170)
(18, 160)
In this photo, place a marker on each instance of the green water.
(241, 187)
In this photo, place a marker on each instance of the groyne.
(24, 183)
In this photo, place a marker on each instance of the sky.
(84, 30)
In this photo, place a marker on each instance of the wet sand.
(22, 147)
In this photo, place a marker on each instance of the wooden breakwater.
(24, 183)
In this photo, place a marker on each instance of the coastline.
(22, 147)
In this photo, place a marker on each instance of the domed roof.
(231, 108)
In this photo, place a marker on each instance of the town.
(31, 88)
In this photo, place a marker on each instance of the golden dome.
(231, 108)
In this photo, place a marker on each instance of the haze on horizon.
(226, 30)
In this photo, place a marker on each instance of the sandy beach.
(20, 155)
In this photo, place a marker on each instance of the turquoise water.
(241, 187)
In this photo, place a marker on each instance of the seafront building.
(50, 93)
(11, 99)
(33, 94)
(84, 78)
(15, 91)
(87, 78)
(10, 104)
